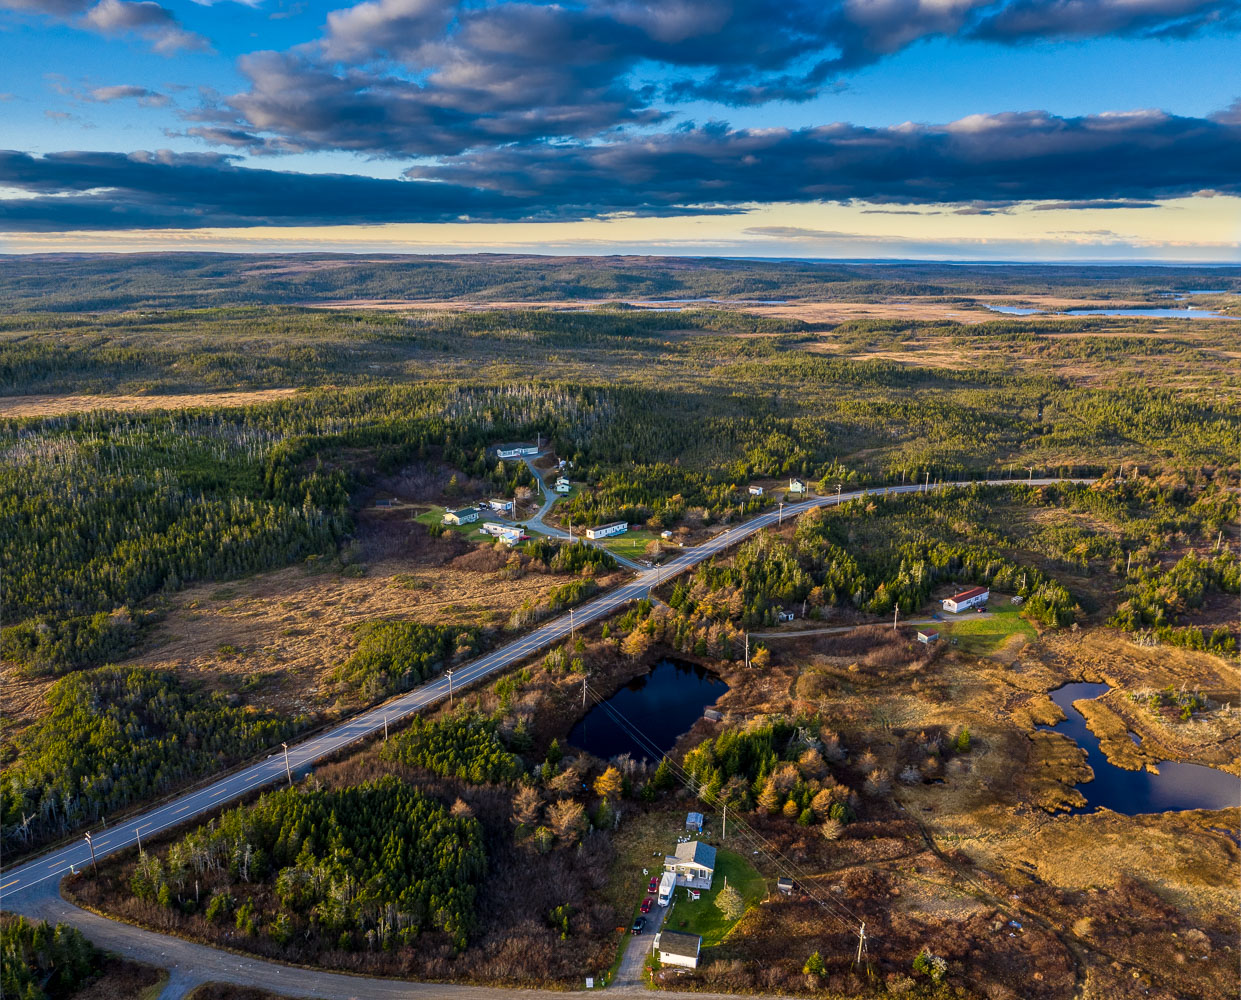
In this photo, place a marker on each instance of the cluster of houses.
(510, 534)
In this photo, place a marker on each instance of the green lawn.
(979, 636)
(470, 531)
(704, 917)
(632, 544)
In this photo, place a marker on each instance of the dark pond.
(1176, 786)
(662, 705)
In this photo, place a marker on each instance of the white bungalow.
(966, 599)
(796, 486)
(607, 530)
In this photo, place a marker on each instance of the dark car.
(638, 925)
(646, 905)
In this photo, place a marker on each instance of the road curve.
(199, 801)
(31, 888)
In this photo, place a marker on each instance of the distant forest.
(195, 280)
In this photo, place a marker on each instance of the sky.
(1077, 130)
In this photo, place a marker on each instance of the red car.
(646, 905)
(654, 886)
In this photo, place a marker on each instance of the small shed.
(713, 715)
(927, 637)
(756, 491)
(676, 948)
(786, 885)
(693, 822)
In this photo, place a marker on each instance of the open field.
(50, 406)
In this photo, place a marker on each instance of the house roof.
(965, 595)
(678, 943)
(697, 852)
(461, 511)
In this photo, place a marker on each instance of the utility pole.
(861, 945)
(92, 854)
(895, 611)
(781, 517)
(572, 626)
(838, 492)
(287, 770)
(138, 834)
(448, 673)
(724, 834)
(584, 676)
(926, 488)
(1032, 473)
(385, 729)
(747, 650)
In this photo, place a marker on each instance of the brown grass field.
(51, 406)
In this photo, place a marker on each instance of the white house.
(501, 506)
(966, 599)
(796, 486)
(607, 530)
(519, 451)
(463, 516)
(677, 948)
(510, 533)
(756, 491)
(693, 864)
(563, 485)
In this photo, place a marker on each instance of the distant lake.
(1152, 312)
(1177, 786)
(663, 705)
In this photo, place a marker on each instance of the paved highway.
(275, 769)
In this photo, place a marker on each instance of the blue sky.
(1105, 129)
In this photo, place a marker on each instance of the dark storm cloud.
(65, 191)
(983, 164)
(146, 19)
(410, 77)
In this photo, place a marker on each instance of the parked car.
(980, 608)
(936, 616)
(646, 905)
(654, 886)
(638, 925)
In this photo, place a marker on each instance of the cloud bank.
(980, 163)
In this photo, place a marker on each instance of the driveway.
(630, 972)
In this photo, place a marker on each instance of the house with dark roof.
(693, 864)
(677, 948)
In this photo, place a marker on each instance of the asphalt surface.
(32, 887)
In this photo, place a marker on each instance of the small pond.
(662, 705)
(1176, 786)
(1151, 312)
